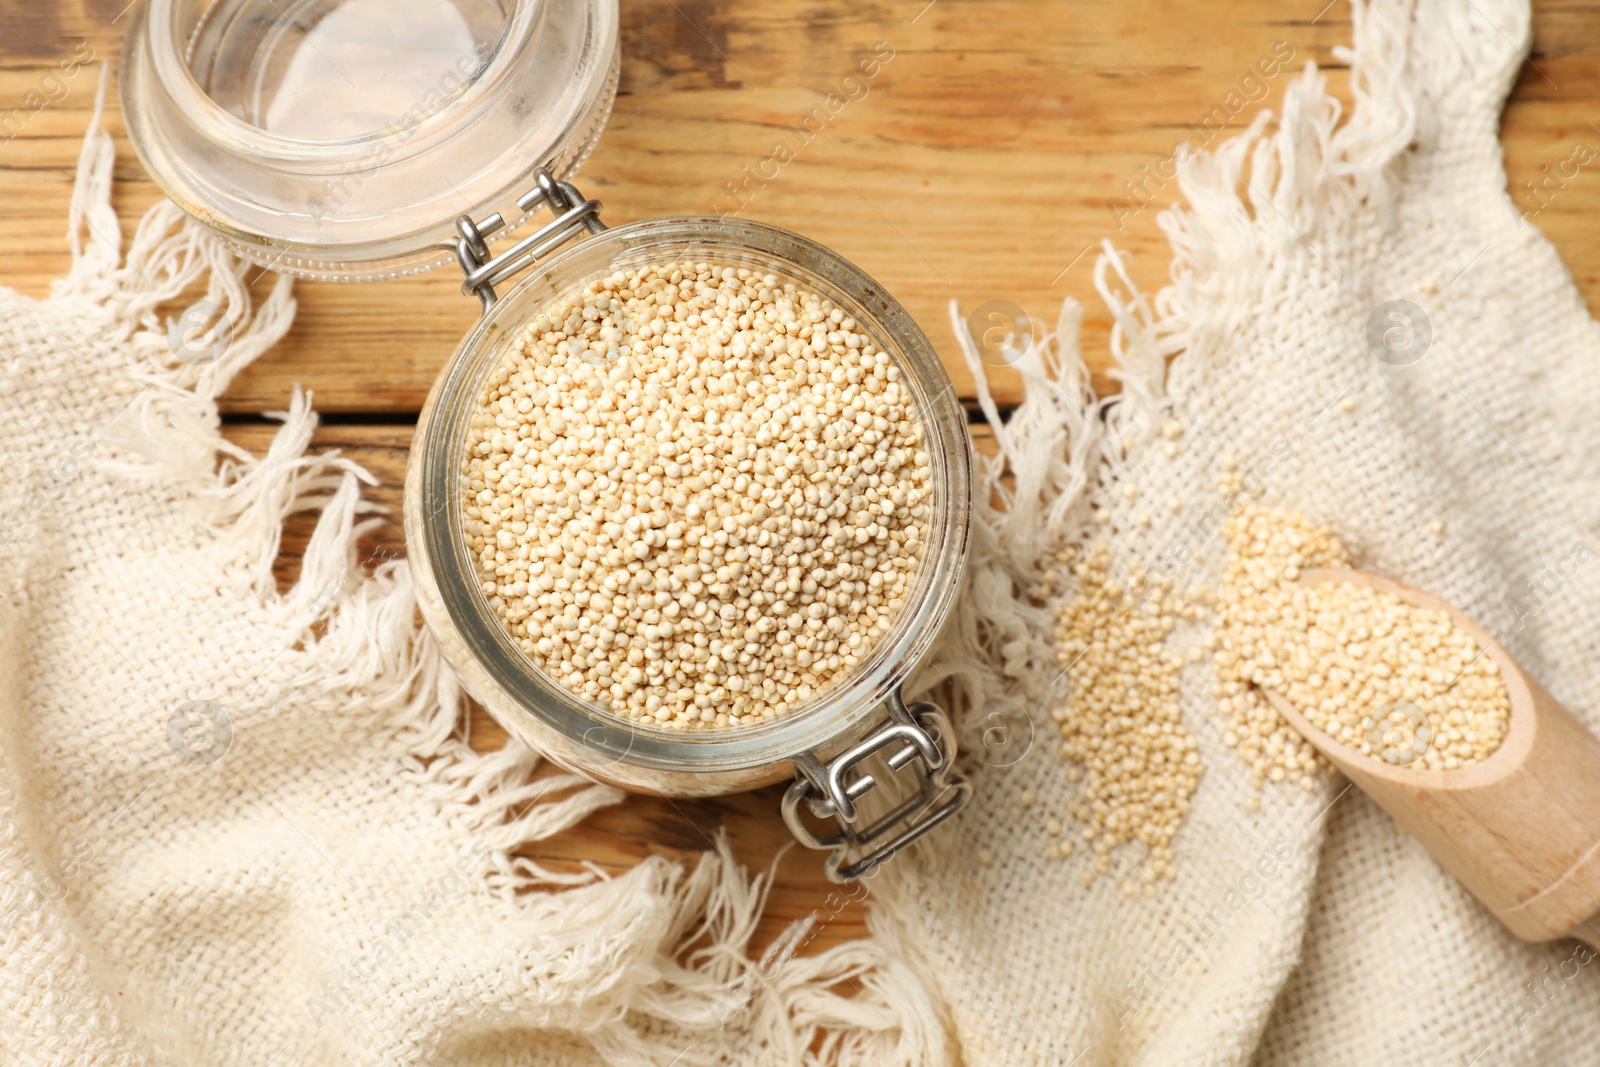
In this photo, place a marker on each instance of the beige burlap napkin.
(1312, 931)
(243, 826)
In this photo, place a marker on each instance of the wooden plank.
(978, 163)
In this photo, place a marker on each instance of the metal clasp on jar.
(830, 790)
(573, 213)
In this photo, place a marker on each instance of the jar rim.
(170, 60)
(383, 203)
(605, 739)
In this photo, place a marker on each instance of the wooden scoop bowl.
(1521, 829)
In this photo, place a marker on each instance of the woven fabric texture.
(244, 826)
(1313, 931)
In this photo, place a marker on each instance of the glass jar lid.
(341, 139)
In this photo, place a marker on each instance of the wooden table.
(985, 161)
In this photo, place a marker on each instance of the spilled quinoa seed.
(697, 495)
(1396, 682)
(1120, 721)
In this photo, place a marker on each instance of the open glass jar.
(339, 139)
(240, 115)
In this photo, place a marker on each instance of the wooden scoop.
(1520, 829)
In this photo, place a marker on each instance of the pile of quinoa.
(1398, 683)
(1120, 722)
(696, 495)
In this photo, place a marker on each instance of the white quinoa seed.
(1120, 722)
(696, 495)
(1347, 656)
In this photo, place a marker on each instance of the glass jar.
(826, 738)
(238, 112)
(339, 139)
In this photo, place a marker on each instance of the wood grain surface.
(987, 159)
